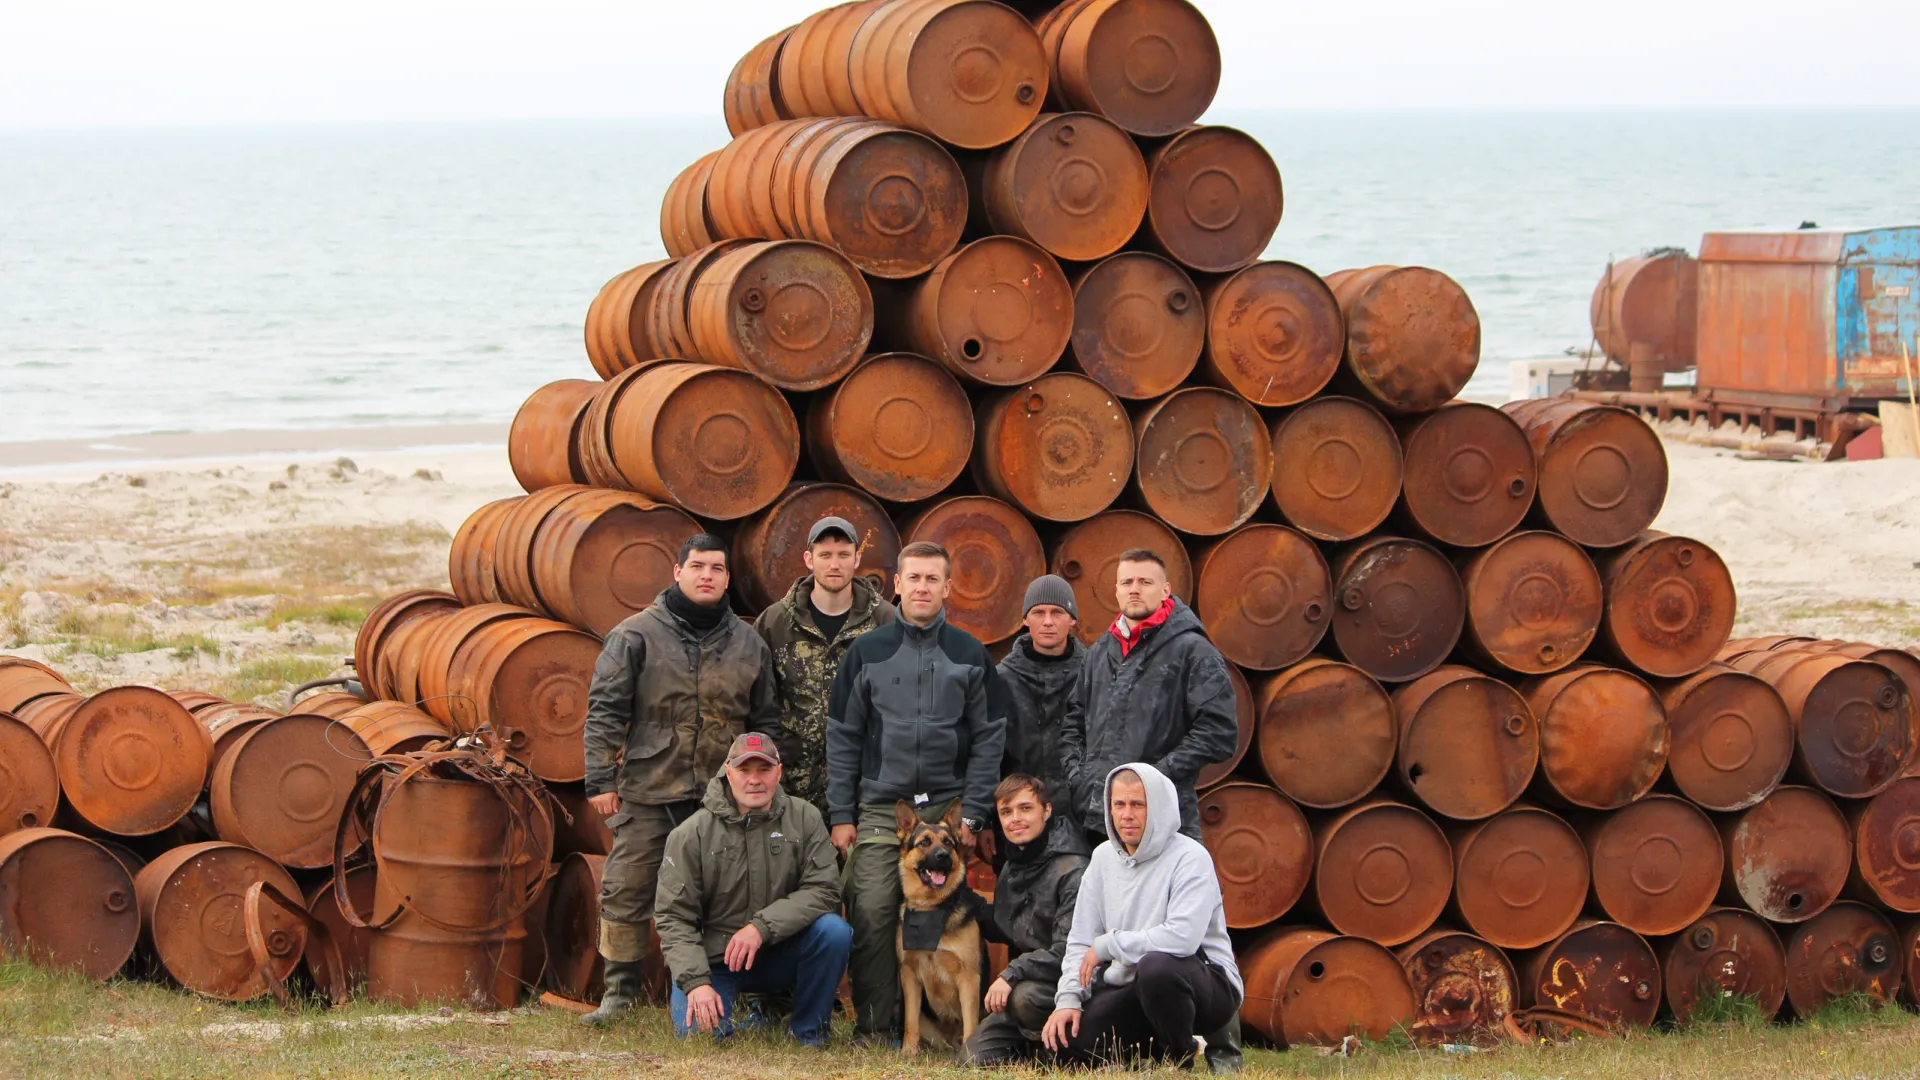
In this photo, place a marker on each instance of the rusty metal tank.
(809, 83)
(282, 789)
(1670, 604)
(1274, 333)
(717, 443)
(618, 330)
(1245, 720)
(794, 312)
(1656, 864)
(1732, 737)
(332, 704)
(354, 943)
(684, 225)
(1139, 324)
(1203, 460)
(1603, 736)
(997, 312)
(995, 553)
(1599, 970)
(1468, 742)
(768, 553)
(752, 98)
(131, 760)
(29, 781)
(581, 829)
(527, 680)
(1072, 182)
(225, 723)
(601, 556)
(391, 727)
(900, 426)
(1725, 953)
(1264, 595)
(513, 569)
(1326, 732)
(968, 72)
(1886, 847)
(1463, 988)
(1151, 66)
(1088, 557)
(541, 444)
(1399, 607)
(1520, 877)
(433, 649)
(1059, 448)
(670, 320)
(1787, 856)
(1847, 949)
(1902, 662)
(1910, 964)
(1853, 720)
(1603, 472)
(1382, 871)
(65, 903)
(382, 620)
(192, 916)
(414, 963)
(1413, 336)
(470, 559)
(1337, 468)
(1214, 199)
(22, 680)
(1309, 987)
(1534, 603)
(1651, 300)
(575, 969)
(1262, 850)
(1469, 474)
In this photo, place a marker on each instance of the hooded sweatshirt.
(1162, 898)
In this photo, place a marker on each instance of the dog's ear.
(904, 818)
(952, 817)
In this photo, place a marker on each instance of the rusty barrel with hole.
(768, 552)
(192, 901)
(1670, 604)
(684, 225)
(541, 443)
(998, 312)
(1853, 720)
(392, 727)
(619, 332)
(131, 760)
(1338, 468)
(1469, 475)
(1520, 877)
(1847, 949)
(968, 72)
(1264, 594)
(601, 556)
(1326, 732)
(65, 903)
(670, 320)
(1213, 199)
(1060, 448)
(1603, 736)
(382, 620)
(996, 554)
(1732, 737)
(1788, 856)
(1463, 988)
(354, 943)
(22, 680)
(1382, 871)
(1468, 742)
(1309, 987)
(1245, 722)
(282, 788)
(752, 97)
(794, 312)
(1726, 953)
(1603, 472)
(29, 781)
(476, 545)
(1534, 603)
(527, 679)
(1139, 324)
(1072, 182)
(1150, 66)
(1656, 864)
(1399, 607)
(1902, 662)
(1262, 850)
(1274, 333)
(575, 969)
(1203, 460)
(1413, 336)
(716, 442)
(1599, 970)
(1088, 557)
(1886, 847)
(900, 426)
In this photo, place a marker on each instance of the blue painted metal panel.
(1877, 308)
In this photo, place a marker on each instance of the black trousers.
(1171, 999)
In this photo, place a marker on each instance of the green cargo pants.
(872, 890)
(631, 874)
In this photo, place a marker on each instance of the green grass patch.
(1723, 1010)
(344, 613)
(1855, 1010)
(274, 675)
(111, 635)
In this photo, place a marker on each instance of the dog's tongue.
(936, 878)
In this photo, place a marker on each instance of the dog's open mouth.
(934, 878)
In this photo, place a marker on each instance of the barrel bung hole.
(1415, 772)
(1795, 902)
(972, 348)
(1316, 969)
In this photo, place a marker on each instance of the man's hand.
(1064, 1024)
(1089, 963)
(984, 841)
(843, 838)
(997, 995)
(967, 837)
(705, 1010)
(743, 946)
(606, 804)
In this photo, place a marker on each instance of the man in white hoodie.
(1148, 965)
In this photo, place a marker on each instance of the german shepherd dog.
(933, 878)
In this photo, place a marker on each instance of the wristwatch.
(973, 824)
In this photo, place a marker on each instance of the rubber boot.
(623, 989)
(1223, 1048)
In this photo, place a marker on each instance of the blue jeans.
(809, 965)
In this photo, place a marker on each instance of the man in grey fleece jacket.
(1148, 964)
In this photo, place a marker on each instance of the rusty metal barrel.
(1603, 736)
(131, 760)
(1338, 468)
(1072, 182)
(900, 426)
(29, 781)
(66, 903)
(1245, 722)
(810, 84)
(1213, 201)
(768, 552)
(1088, 557)
(1264, 594)
(1847, 949)
(1886, 847)
(470, 559)
(354, 943)
(23, 680)
(995, 553)
(1670, 604)
(599, 556)
(393, 727)
(1382, 871)
(1469, 474)
(1603, 472)
(1599, 970)
(684, 225)
(1910, 964)
(1853, 720)
(414, 963)
(1788, 856)
(1309, 987)
(997, 312)
(542, 443)
(619, 333)
(1151, 66)
(1262, 850)
(1203, 460)
(332, 704)
(1326, 732)
(191, 913)
(385, 617)
(587, 833)
(1463, 987)
(527, 680)
(1732, 737)
(794, 312)
(1413, 336)
(1520, 877)
(968, 72)
(1656, 864)
(1468, 742)
(1534, 602)
(282, 789)
(1902, 662)
(670, 320)
(716, 442)
(1399, 607)
(752, 98)
(1726, 953)
(1139, 324)
(1059, 448)
(401, 655)
(575, 969)
(1274, 333)
(432, 651)
(225, 723)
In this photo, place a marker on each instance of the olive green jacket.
(804, 664)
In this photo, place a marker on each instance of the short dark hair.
(1143, 555)
(925, 549)
(1015, 783)
(700, 541)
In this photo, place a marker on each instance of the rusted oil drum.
(1520, 877)
(1337, 468)
(899, 426)
(22, 680)
(401, 656)
(684, 225)
(513, 544)
(1399, 607)
(541, 444)
(1138, 324)
(1261, 847)
(601, 556)
(1656, 864)
(1902, 662)
(1910, 964)
(999, 311)
(752, 97)
(593, 444)
(586, 832)
(619, 333)
(1382, 871)
(195, 700)
(575, 969)
(29, 782)
(1726, 953)
(283, 787)
(1736, 646)
(527, 679)
(1463, 988)
(1847, 949)
(1853, 719)
(470, 559)
(128, 858)
(1308, 987)
(1469, 474)
(967, 72)
(1088, 556)
(1203, 460)
(1533, 602)
(401, 607)
(1603, 472)
(391, 727)
(1326, 732)
(1732, 737)
(225, 723)
(461, 853)
(1245, 721)
(1059, 448)
(132, 760)
(1413, 337)
(794, 312)
(768, 552)
(1213, 199)
(191, 914)
(811, 70)
(332, 704)
(434, 648)
(1274, 333)
(414, 963)
(1600, 970)
(670, 319)
(995, 555)
(1886, 847)
(1264, 595)
(1072, 182)
(1787, 857)
(66, 903)
(1670, 604)
(1151, 66)
(715, 442)
(1468, 742)
(354, 943)
(1603, 736)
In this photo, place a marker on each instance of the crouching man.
(749, 900)
(1147, 965)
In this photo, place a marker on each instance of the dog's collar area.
(921, 929)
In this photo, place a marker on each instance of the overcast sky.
(84, 62)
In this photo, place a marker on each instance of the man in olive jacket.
(749, 901)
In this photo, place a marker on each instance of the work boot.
(1223, 1048)
(623, 989)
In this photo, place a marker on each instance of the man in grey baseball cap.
(1038, 674)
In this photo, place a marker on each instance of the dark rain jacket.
(1033, 902)
(1036, 689)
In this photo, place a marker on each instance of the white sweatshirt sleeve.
(1194, 897)
(1089, 922)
